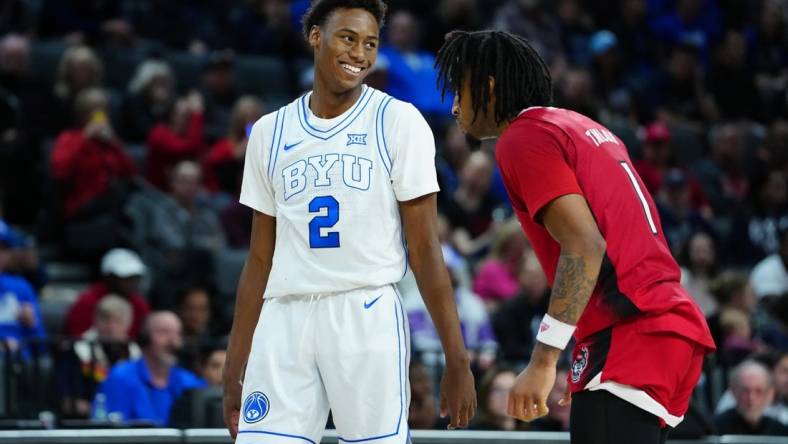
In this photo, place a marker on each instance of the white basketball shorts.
(347, 352)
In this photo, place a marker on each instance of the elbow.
(589, 246)
(596, 246)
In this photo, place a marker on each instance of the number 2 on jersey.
(331, 238)
(641, 197)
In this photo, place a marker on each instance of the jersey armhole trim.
(380, 136)
(275, 143)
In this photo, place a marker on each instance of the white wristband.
(554, 332)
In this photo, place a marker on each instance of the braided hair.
(522, 78)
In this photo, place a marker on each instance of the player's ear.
(314, 37)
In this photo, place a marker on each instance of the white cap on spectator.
(122, 263)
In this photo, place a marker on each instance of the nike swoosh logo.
(292, 145)
(372, 302)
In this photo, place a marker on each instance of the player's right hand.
(232, 406)
(458, 395)
(528, 397)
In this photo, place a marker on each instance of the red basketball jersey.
(550, 152)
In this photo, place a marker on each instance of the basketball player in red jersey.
(640, 338)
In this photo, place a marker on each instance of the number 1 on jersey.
(641, 197)
(331, 238)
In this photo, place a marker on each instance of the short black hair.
(522, 78)
(318, 12)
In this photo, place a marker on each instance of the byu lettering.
(356, 172)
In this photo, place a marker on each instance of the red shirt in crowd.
(87, 166)
(550, 152)
(81, 314)
(167, 147)
(221, 153)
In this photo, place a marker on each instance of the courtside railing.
(220, 436)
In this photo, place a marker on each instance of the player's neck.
(327, 104)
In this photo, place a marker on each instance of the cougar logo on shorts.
(255, 407)
(579, 364)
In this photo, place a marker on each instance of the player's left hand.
(458, 395)
(528, 397)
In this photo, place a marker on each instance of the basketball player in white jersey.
(342, 181)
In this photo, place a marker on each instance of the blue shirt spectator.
(131, 392)
(20, 315)
(145, 389)
(410, 73)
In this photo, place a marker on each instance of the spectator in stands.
(698, 268)
(470, 208)
(723, 177)
(223, 164)
(178, 234)
(659, 158)
(611, 78)
(89, 159)
(756, 232)
(680, 218)
(122, 271)
(575, 91)
(82, 369)
(410, 71)
(145, 389)
(636, 42)
(212, 362)
(530, 19)
(780, 375)
(35, 96)
(446, 16)
(678, 91)
(557, 419)
(219, 91)
(770, 57)
(517, 320)
(477, 331)
(753, 389)
(453, 154)
(697, 21)
(576, 28)
(193, 407)
(194, 310)
(79, 70)
(732, 320)
(264, 27)
(493, 395)
(731, 79)
(22, 256)
(496, 280)
(149, 100)
(181, 138)
(20, 315)
(86, 22)
(194, 26)
(423, 408)
(778, 409)
(769, 277)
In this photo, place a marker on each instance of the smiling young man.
(341, 180)
(640, 339)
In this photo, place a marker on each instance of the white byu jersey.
(333, 186)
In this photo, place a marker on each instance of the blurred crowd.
(123, 127)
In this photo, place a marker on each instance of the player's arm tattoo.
(573, 286)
